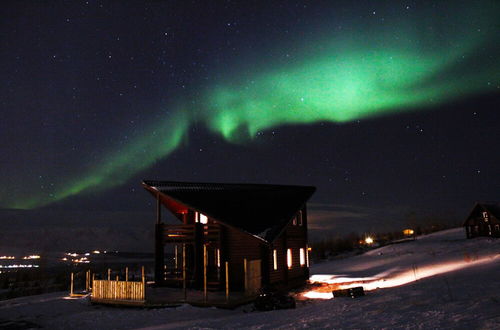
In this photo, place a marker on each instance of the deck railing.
(109, 291)
(118, 290)
(179, 233)
(186, 233)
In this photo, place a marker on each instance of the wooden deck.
(175, 296)
(168, 297)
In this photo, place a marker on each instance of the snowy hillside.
(438, 281)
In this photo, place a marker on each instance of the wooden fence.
(118, 290)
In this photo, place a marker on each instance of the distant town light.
(369, 240)
(96, 251)
(408, 232)
(34, 256)
(19, 266)
(7, 257)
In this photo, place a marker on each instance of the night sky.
(389, 108)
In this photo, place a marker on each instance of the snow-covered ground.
(439, 281)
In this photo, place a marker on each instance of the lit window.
(289, 258)
(485, 216)
(201, 218)
(275, 260)
(302, 257)
(294, 221)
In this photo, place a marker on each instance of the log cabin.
(258, 230)
(483, 220)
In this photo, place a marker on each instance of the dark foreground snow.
(439, 281)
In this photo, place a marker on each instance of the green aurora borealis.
(336, 78)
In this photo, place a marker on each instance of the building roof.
(262, 210)
(492, 207)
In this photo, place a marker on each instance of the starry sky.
(389, 108)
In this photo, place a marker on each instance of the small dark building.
(260, 230)
(484, 220)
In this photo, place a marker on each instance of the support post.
(116, 288)
(93, 279)
(143, 283)
(245, 274)
(184, 270)
(205, 272)
(109, 274)
(198, 254)
(158, 209)
(87, 280)
(159, 245)
(126, 274)
(71, 286)
(227, 281)
(159, 255)
(176, 254)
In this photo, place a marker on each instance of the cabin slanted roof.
(492, 207)
(262, 210)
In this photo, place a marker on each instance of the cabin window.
(201, 218)
(302, 256)
(289, 258)
(294, 221)
(275, 260)
(497, 227)
(299, 218)
(485, 216)
(476, 228)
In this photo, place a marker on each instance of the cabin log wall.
(294, 237)
(239, 246)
